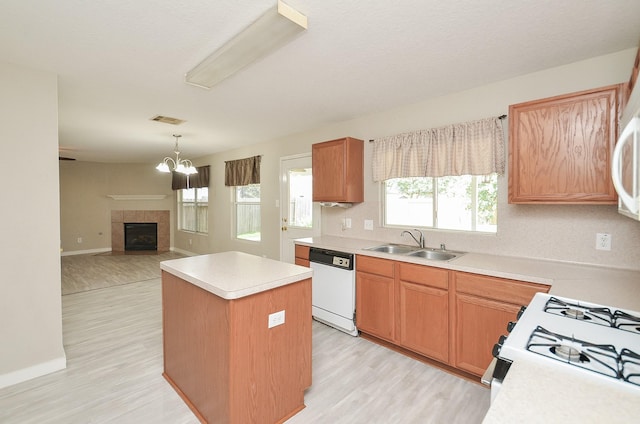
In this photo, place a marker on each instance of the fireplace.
(140, 236)
(159, 217)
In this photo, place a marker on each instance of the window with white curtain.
(442, 177)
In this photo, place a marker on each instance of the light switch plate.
(368, 224)
(276, 318)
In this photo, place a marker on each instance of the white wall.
(30, 291)
(540, 231)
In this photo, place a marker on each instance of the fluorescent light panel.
(274, 29)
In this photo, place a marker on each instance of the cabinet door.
(337, 168)
(424, 320)
(375, 305)
(479, 324)
(560, 148)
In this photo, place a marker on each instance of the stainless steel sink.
(431, 254)
(434, 255)
(397, 249)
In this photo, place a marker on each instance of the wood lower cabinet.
(302, 255)
(424, 310)
(224, 361)
(375, 297)
(482, 307)
(560, 148)
(452, 317)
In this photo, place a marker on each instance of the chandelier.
(183, 166)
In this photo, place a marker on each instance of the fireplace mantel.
(137, 196)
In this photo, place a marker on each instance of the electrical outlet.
(347, 222)
(190, 242)
(79, 240)
(603, 241)
(368, 224)
(276, 318)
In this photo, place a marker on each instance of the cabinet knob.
(284, 228)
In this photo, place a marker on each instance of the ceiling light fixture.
(274, 29)
(183, 166)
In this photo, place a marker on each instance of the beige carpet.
(89, 272)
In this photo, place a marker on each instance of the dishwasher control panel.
(341, 262)
(333, 258)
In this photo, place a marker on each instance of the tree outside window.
(467, 203)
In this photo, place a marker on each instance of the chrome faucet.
(420, 240)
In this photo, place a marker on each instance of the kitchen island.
(237, 336)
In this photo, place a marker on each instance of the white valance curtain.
(470, 148)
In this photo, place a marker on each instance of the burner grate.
(593, 314)
(630, 366)
(603, 359)
(627, 322)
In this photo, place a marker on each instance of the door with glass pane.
(299, 216)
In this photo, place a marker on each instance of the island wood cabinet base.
(224, 361)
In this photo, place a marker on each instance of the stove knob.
(496, 350)
(511, 325)
(521, 311)
(498, 346)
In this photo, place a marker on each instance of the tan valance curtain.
(242, 172)
(470, 148)
(201, 179)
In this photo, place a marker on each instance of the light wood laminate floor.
(97, 271)
(113, 342)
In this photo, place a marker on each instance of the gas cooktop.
(598, 340)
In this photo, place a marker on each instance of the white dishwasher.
(334, 289)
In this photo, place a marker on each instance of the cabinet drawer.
(425, 275)
(509, 291)
(302, 262)
(374, 265)
(302, 252)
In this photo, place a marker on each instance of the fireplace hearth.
(140, 236)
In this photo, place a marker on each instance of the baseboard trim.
(184, 252)
(34, 371)
(84, 252)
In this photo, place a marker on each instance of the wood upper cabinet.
(482, 308)
(560, 148)
(375, 297)
(424, 310)
(337, 168)
(302, 255)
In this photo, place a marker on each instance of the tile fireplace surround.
(118, 218)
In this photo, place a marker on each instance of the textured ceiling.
(121, 62)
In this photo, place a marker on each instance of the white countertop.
(232, 275)
(608, 286)
(532, 393)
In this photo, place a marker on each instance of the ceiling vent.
(168, 120)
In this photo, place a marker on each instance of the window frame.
(198, 207)
(435, 204)
(235, 203)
